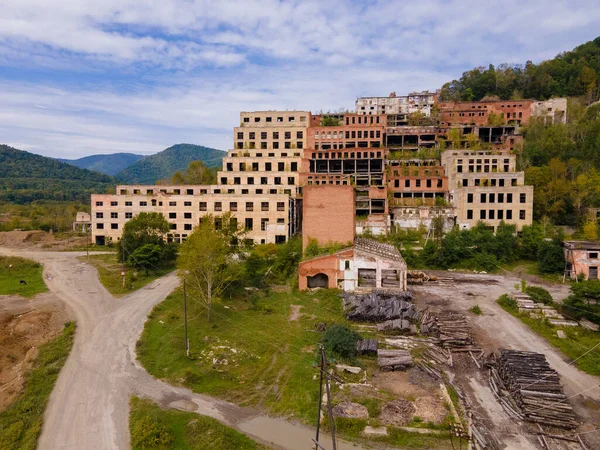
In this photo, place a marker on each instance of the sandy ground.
(25, 324)
(40, 240)
(495, 329)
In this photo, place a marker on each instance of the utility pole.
(329, 408)
(123, 262)
(187, 342)
(87, 243)
(320, 401)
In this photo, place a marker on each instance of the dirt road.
(505, 330)
(89, 407)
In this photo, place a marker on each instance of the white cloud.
(143, 75)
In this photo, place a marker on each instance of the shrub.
(341, 340)
(148, 433)
(508, 303)
(539, 295)
(476, 310)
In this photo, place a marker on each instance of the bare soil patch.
(41, 240)
(25, 324)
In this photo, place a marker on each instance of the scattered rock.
(345, 368)
(294, 313)
(350, 410)
(320, 326)
(397, 413)
(375, 431)
(561, 334)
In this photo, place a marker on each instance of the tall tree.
(207, 263)
(146, 229)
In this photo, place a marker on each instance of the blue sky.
(81, 77)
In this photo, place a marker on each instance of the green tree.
(340, 340)
(146, 257)
(551, 256)
(206, 262)
(146, 229)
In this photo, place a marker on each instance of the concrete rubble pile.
(379, 306)
(528, 388)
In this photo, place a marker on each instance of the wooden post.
(329, 408)
(320, 402)
(187, 342)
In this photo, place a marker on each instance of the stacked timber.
(533, 387)
(389, 360)
(453, 332)
(378, 306)
(366, 347)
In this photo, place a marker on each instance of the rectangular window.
(277, 180)
(263, 224)
(202, 206)
(128, 203)
(280, 206)
(469, 198)
(593, 255)
(491, 214)
(114, 215)
(264, 180)
(232, 206)
(469, 214)
(291, 180)
(249, 223)
(287, 135)
(128, 215)
(482, 214)
(508, 198)
(143, 203)
(99, 203)
(523, 198)
(500, 198)
(187, 226)
(99, 215)
(264, 206)
(500, 214)
(492, 198)
(100, 226)
(407, 183)
(482, 198)
(114, 226)
(249, 206)
(172, 215)
(114, 203)
(187, 215)
(218, 206)
(508, 214)
(187, 203)
(268, 167)
(522, 214)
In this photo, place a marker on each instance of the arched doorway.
(320, 280)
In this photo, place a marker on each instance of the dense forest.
(571, 74)
(26, 177)
(164, 164)
(107, 164)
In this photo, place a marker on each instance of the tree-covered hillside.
(107, 164)
(573, 73)
(25, 177)
(164, 164)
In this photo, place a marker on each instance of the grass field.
(22, 269)
(577, 342)
(21, 422)
(154, 428)
(109, 273)
(253, 354)
(250, 353)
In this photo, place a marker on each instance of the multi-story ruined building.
(397, 108)
(259, 185)
(485, 186)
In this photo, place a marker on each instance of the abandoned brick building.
(459, 166)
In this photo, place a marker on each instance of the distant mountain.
(164, 164)
(107, 164)
(26, 177)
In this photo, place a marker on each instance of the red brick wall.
(328, 265)
(328, 214)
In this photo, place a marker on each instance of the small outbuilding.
(368, 264)
(581, 258)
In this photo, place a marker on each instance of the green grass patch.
(250, 353)
(109, 273)
(476, 310)
(22, 269)
(154, 428)
(577, 342)
(21, 422)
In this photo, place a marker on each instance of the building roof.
(582, 245)
(387, 251)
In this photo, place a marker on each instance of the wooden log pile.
(379, 306)
(366, 347)
(527, 384)
(389, 360)
(452, 330)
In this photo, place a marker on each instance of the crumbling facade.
(367, 265)
(582, 259)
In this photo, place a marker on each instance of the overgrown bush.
(148, 433)
(508, 303)
(341, 340)
(539, 295)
